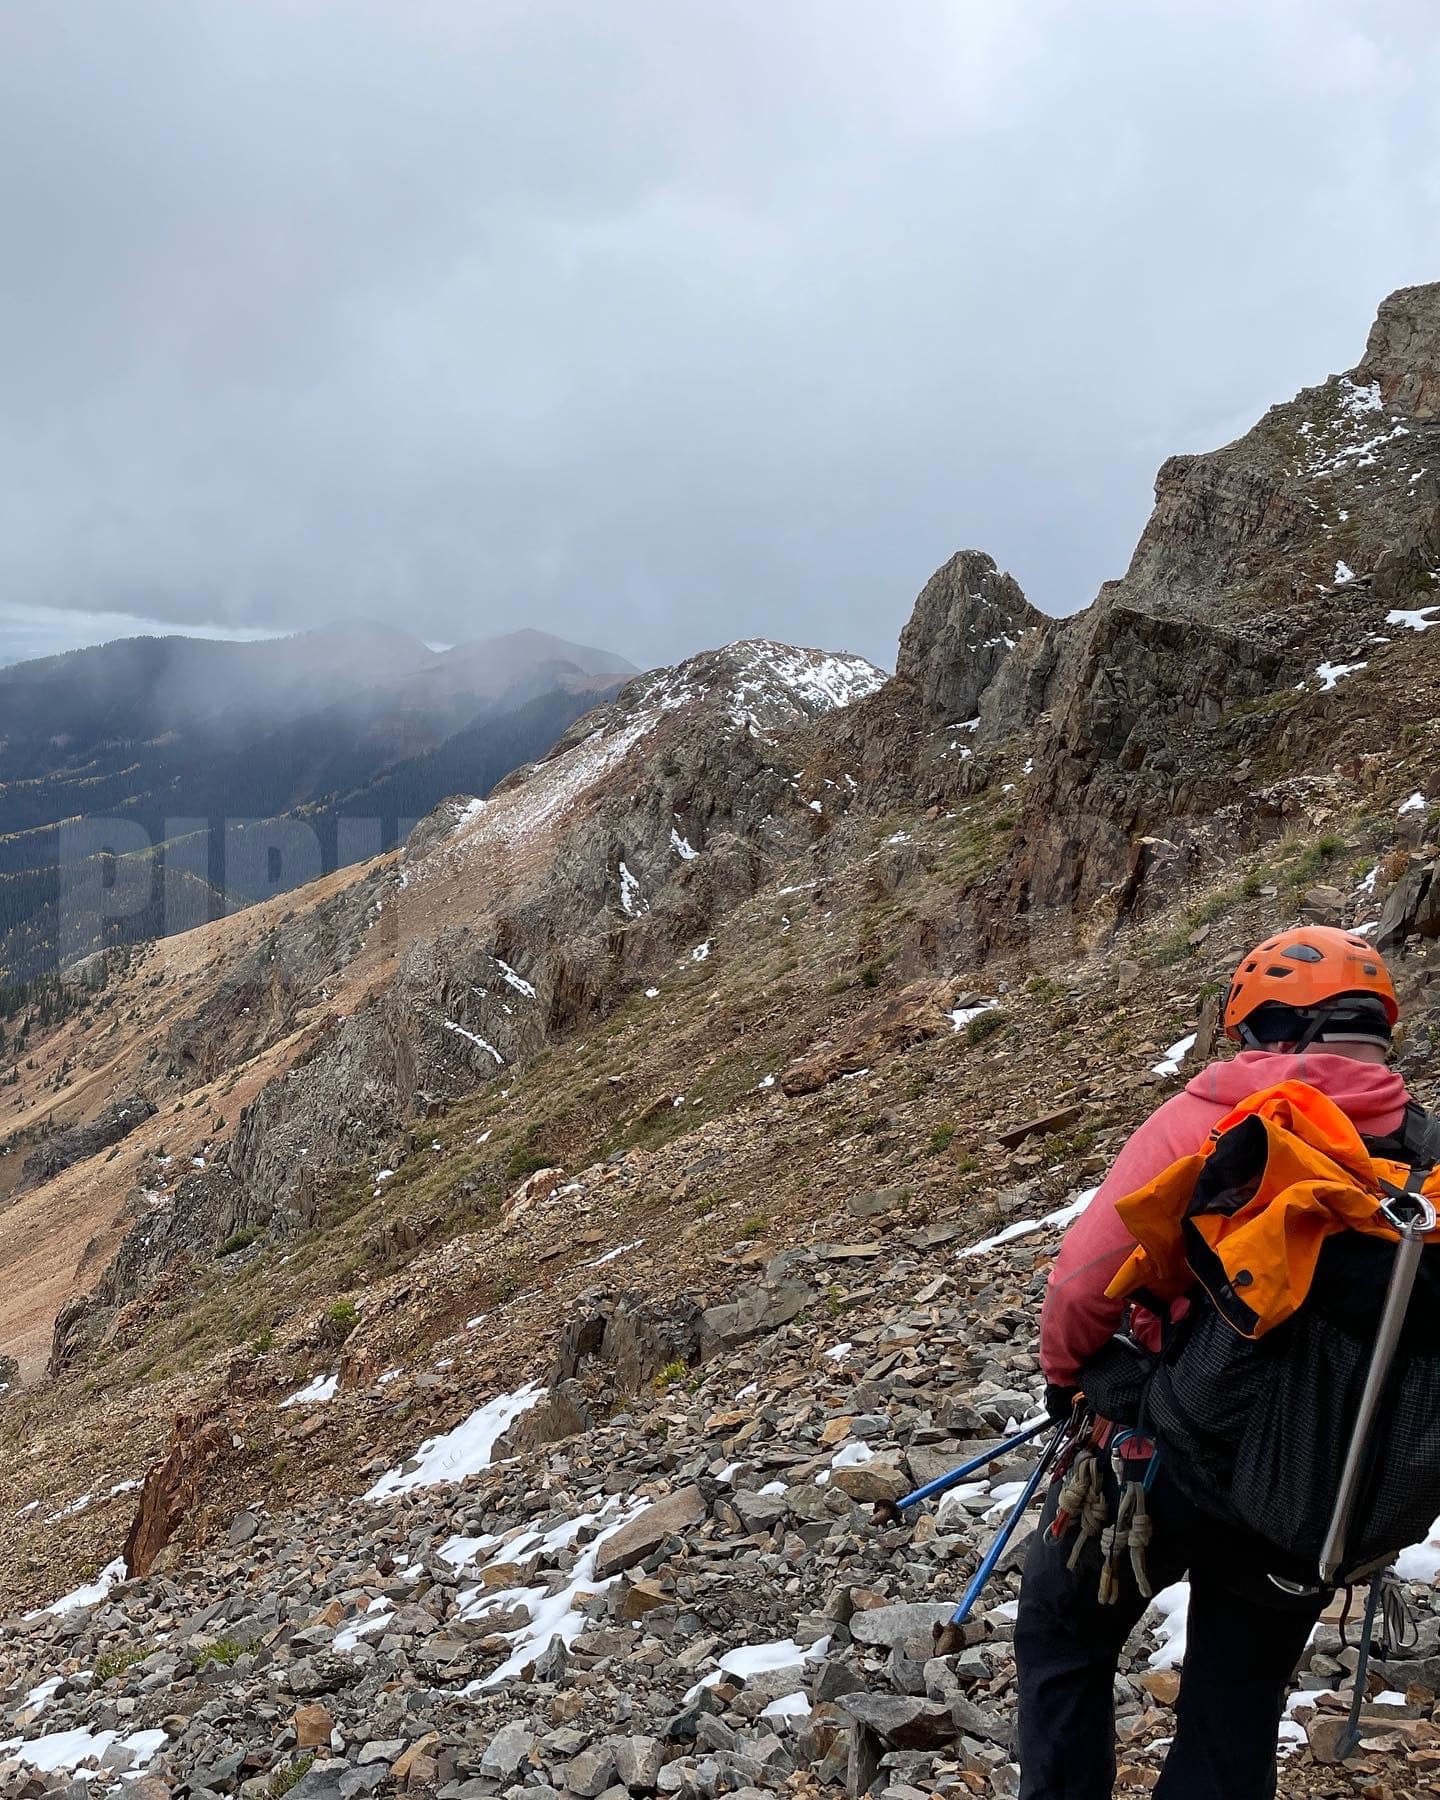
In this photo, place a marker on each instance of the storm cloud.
(658, 323)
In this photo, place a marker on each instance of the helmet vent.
(1276, 970)
(1301, 953)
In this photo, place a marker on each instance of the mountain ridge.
(175, 749)
(776, 1003)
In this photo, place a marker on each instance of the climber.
(1315, 1005)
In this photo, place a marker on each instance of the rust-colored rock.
(172, 1487)
(313, 1725)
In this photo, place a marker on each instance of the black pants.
(1244, 1640)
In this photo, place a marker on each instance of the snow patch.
(1170, 1063)
(614, 1255)
(552, 1615)
(788, 1706)
(90, 1595)
(1172, 1605)
(314, 1393)
(518, 982)
(68, 1749)
(1331, 674)
(962, 1015)
(754, 1659)
(1416, 803)
(472, 1038)
(1061, 1217)
(1420, 619)
(632, 901)
(682, 847)
(464, 1451)
(1421, 1562)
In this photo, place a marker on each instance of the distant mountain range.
(136, 777)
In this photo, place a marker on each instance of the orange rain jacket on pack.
(1315, 1178)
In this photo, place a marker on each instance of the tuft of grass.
(340, 1320)
(940, 1139)
(672, 1372)
(985, 1025)
(225, 1651)
(754, 1226)
(1314, 858)
(240, 1240)
(116, 1662)
(291, 1776)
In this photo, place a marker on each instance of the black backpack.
(1256, 1432)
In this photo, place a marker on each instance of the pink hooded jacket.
(1077, 1319)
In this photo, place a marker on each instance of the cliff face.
(1277, 556)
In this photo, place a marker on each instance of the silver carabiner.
(1422, 1219)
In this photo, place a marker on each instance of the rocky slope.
(614, 1105)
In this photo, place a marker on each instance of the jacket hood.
(1369, 1093)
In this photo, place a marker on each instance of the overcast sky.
(661, 322)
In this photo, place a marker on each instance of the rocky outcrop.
(629, 1339)
(922, 1010)
(1249, 573)
(172, 1487)
(1412, 908)
(1403, 351)
(79, 1142)
(967, 620)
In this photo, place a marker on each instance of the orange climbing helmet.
(1313, 982)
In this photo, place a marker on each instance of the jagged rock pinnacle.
(969, 616)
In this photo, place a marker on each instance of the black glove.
(1059, 1401)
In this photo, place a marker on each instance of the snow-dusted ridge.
(763, 685)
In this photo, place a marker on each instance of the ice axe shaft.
(1007, 1531)
(1392, 1319)
(1349, 1739)
(943, 1483)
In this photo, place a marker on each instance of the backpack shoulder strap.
(1420, 1135)
(1417, 1141)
